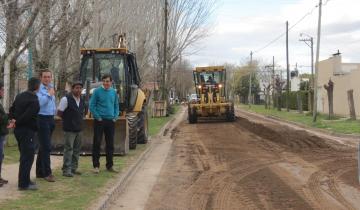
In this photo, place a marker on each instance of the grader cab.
(132, 126)
(210, 86)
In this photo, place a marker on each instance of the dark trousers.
(24, 137)
(107, 127)
(46, 126)
(2, 142)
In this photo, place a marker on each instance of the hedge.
(293, 100)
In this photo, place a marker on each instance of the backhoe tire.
(132, 119)
(142, 135)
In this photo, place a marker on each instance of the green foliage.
(293, 100)
(71, 193)
(342, 126)
(243, 88)
(304, 85)
(239, 83)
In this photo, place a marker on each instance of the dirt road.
(254, 164)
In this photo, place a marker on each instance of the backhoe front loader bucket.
(121, 139)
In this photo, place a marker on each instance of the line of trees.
(49, 34)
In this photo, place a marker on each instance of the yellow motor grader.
(132, 126)
(212, 102)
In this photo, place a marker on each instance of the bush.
(293, 100)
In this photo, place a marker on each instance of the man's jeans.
(106, 127)
(46, 126)
(72, 146)
(2, 142)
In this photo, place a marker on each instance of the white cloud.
(238, 32)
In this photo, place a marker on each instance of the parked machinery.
(132, 126)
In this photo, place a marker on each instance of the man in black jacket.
(3, 132)
(23, 113)
(71, 110)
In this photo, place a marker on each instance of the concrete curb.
(125, 176)
(104, 202)
(325, 132)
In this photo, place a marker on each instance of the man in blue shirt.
(46, 125)
(104, 105)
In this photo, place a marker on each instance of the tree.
(279, 86)
(266, 77)
(16, 31)
(330, 92)
(188, 24)
(242, 89)
(350, 94)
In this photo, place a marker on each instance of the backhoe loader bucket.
(121, 139)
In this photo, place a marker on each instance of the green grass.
(77, 192)
(338, 125)
(71, 193)
(156, 123)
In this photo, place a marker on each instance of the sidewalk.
(347, 139)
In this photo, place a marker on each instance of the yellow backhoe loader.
(132, 126)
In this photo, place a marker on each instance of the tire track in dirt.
(322, 148)
(235, 166)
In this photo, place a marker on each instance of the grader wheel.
(192, 116)
(230, 113)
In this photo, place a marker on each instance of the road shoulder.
(125, 193)
(346, 139)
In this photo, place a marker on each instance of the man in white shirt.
(71, 110)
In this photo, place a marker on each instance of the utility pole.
(287, 68)
(249, 97)
(317, 64)
(164, 94)
(311, 45)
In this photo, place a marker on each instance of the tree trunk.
(310, 101)
(330, 91)
(279, 101)
(63, 51)
(14, 73)
(350, 94)
(75, 58)
(299, 103)
(7, 71)
(331, 104)
(45, 45)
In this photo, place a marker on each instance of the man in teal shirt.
(104, 106)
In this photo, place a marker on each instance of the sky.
(242, 26)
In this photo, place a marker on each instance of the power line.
(293, 26)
